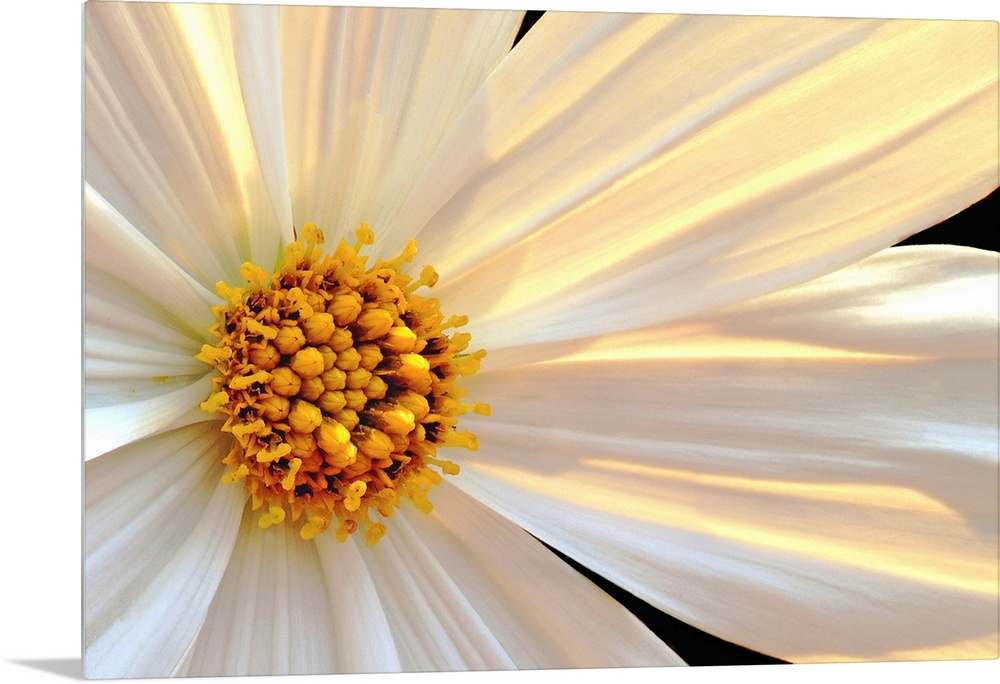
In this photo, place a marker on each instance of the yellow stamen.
(275, 516)
(236, 475)
(254, 274)
(293, 469)
(241, 382)
(257, 328)
(338, 385)
(271, 455)
(216, 402)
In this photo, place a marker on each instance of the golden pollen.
(338, 384)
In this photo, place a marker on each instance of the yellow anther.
(405, 256)
(307, 363)
(271, 455)
(315, 525)
(232, 295)
(285, 382)
(365, 235)
(244, 429)
(428, 276)
(451, 407)
(236, 475)
(447, 467)
(414, 363)
(304, 417)
(215, 403)
(459, 341)
(374, 323)
(214, 355)
(253, 274)
(299, 302)
(468, 365)
(455, 322)
(374, 533)
(257, 328)
(242, 382)
(275, 516)
(464, 439)
(312, 234)
(482, 409)
(419, 500)
(294, 252)
(288, 482)
(289, 339)
(353, 494)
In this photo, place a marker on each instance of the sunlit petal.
(830, 471)
(579, 193)
(167, 141)
(368, 93)
(906, 302)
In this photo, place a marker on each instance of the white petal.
(824, 497)
(657, 166)
(465, 589)
(365, 642)
(167, 140)
(258, 64)
(271, 614)
(920, 301)
(109, 427)
(368, 93)
(933, 301)
(159, 529)
(145, 317)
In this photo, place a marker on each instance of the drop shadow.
(71, 668)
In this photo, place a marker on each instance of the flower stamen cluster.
(338, 383)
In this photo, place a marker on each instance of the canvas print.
(440, 339)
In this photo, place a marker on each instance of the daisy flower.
(709, 380)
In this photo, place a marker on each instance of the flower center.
(338, 383)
